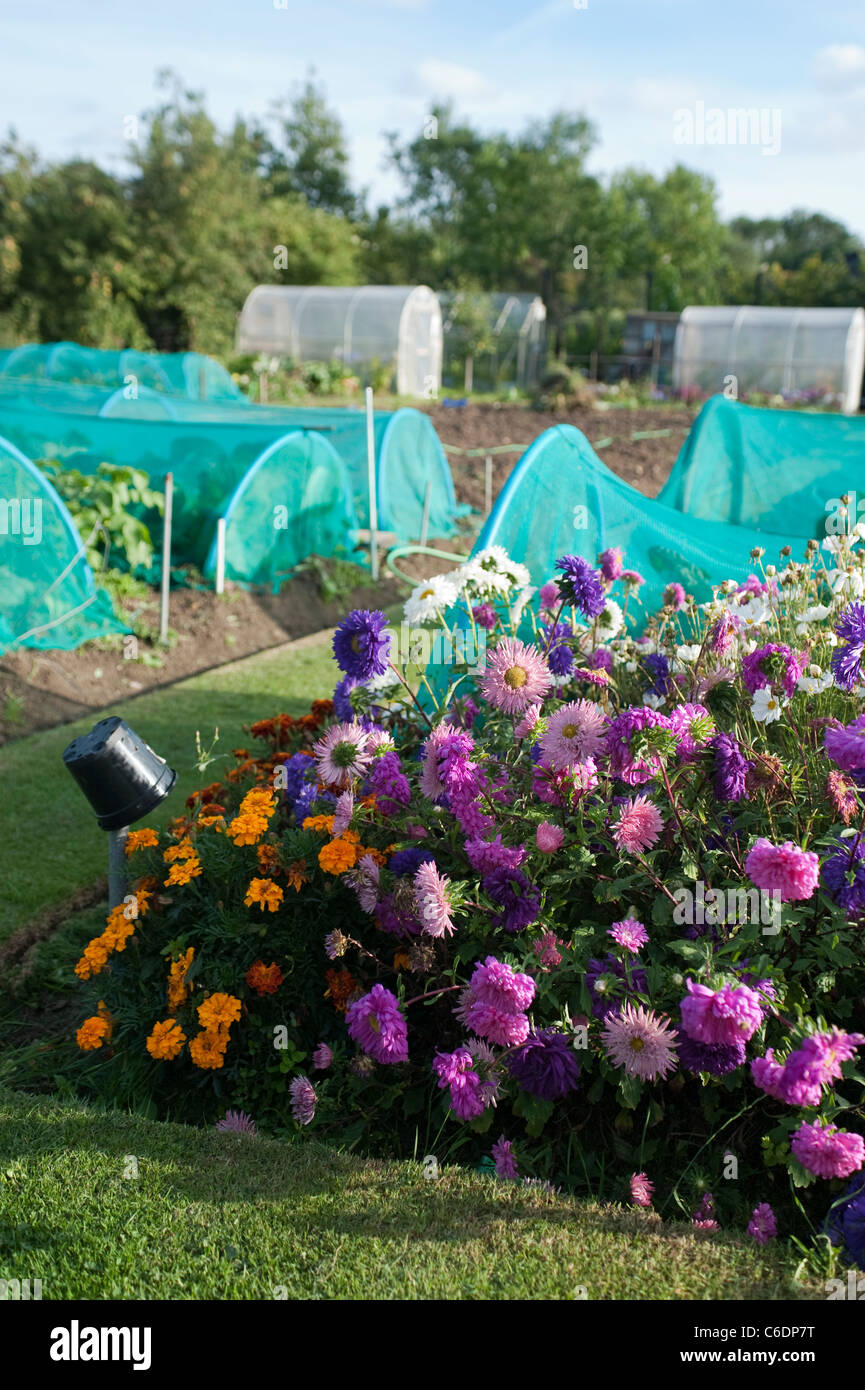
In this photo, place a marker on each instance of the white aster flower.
(766, 706)
(815, 681)
(815, 614)
(688, 651)
(610, 622)
(429, 600)
(753, 614)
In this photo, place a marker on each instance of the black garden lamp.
(123, 779)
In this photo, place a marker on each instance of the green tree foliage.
(310, 155)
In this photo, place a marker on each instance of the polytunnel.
(782, 471)
(361, 326)
(802, 354)
(284, 494)
(189, 374)
(48, 596)
(561, 499)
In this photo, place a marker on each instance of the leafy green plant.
(106, 507)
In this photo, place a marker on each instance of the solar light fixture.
(123, 779)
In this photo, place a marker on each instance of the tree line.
(165, 255)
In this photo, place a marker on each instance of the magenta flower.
(674, 596)
(506, 1164)
(376, 1024)
(549, 837)
(769, 1075)
(528, 721)
(772, 666)
(641, 1190)
(302, 1100)
(322, 1057)
(516, 676)
(342, 754)
(549, 595)
(640, 1041)
(829, 1152)
(456, 1071)
(573, 734)
(621, 735)
(784, 869)
(845, 744)
(236, 1122)
(763, 1226)
(693, 727)
(727, 1015)
(639, 825)
(629, 934)
(546, 950)
(610, 562)
(494, 1004)
(433, 904)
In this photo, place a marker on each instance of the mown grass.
(223, 1216)
(51, 844)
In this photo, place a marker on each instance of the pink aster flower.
(455, 1070)
(433, 904)
(236, 1122)
(727, 1015)
(303, 1099)
(641, 1190)
(693, 727)
(549, 837)
(785, 869)
(364, 879)
(342, 754)
(632, 577)
(611, 563)
(769, 1075)
(629, 934)
(549, 595)
(376, 1024)
(573, 734)
(499, 1026)
(495, 982)
(528, 721)
(763, 1226)
(506, 1164)
(640, 1041)
(828, 1151)
(322, 1057)
(516, 676)
(546, 950)
(639, 825)
(343, 813)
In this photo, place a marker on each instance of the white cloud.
(451, 80)
(840, 65)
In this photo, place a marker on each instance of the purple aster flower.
(674, 596)
(408, 861)
(303, 1099)
(388, 781)
(763, 1226)
(545, 1066)
(431, 891)
(845, 1224)
(485, 616)
(601, 660)
(560, 658)
(376, 1024)
(604, 999)
(845, 744)
(456, 1071)
(722, 635)
(731, 766)
(518, 898)
(620, 736)
(843, 876)
(658, 668)
(341, 702)
(715, 1058)
(236, 1122)
(610, 562)
(580, 585)
(772, 665)
(295, 771)
(506, 1164)
(322, 1057)
(693, 728)
(360, 644)
(847, 658)
(486, 855)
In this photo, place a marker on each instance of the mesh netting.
(189, 374)
(775, 470)
(49, 598)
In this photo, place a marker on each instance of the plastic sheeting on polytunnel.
(48, 596)
(561, 499)
(782, 471)
(284, 494)
(189, 374)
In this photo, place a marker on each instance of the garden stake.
(373, 502)
(166, 558)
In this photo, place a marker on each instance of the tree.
(311, 157)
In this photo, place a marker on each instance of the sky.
(656, 77)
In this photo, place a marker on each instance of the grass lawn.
(51, 842)
(227, 1217)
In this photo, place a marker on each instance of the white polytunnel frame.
(359, 325)
(805, 355)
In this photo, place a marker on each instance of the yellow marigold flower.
(319, 823)
(177, 987)
(141, 839)
(93, 959)
(265, 893)
(184, 850)
(258, 802)
(339, 855)
(93, 1033)
(166, 1040)
(218, 1011)
(184, 872)
(247, 829)
(104, 1013)
(207, 1050)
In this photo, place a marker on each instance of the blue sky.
(72, 70)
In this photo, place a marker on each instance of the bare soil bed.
(42, 689)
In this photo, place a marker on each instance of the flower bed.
(588, 911)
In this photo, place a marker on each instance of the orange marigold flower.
(264, 892)
(177, 986)
(240, 752)
(141, 839)
(218, 1011)
(268, 859)
(264, 979)
(211, 812)
(166, 1040)
(401, 961)
(247, 829)
(322, 709)
(116, 934)
(341, 985)
(375, 855)
(339, 855)
(297, 874)
(93, 959)
(258, 802)
(207, 1050)
(93, 1033)
(184, 850)
(319, 823)
(184, 872)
